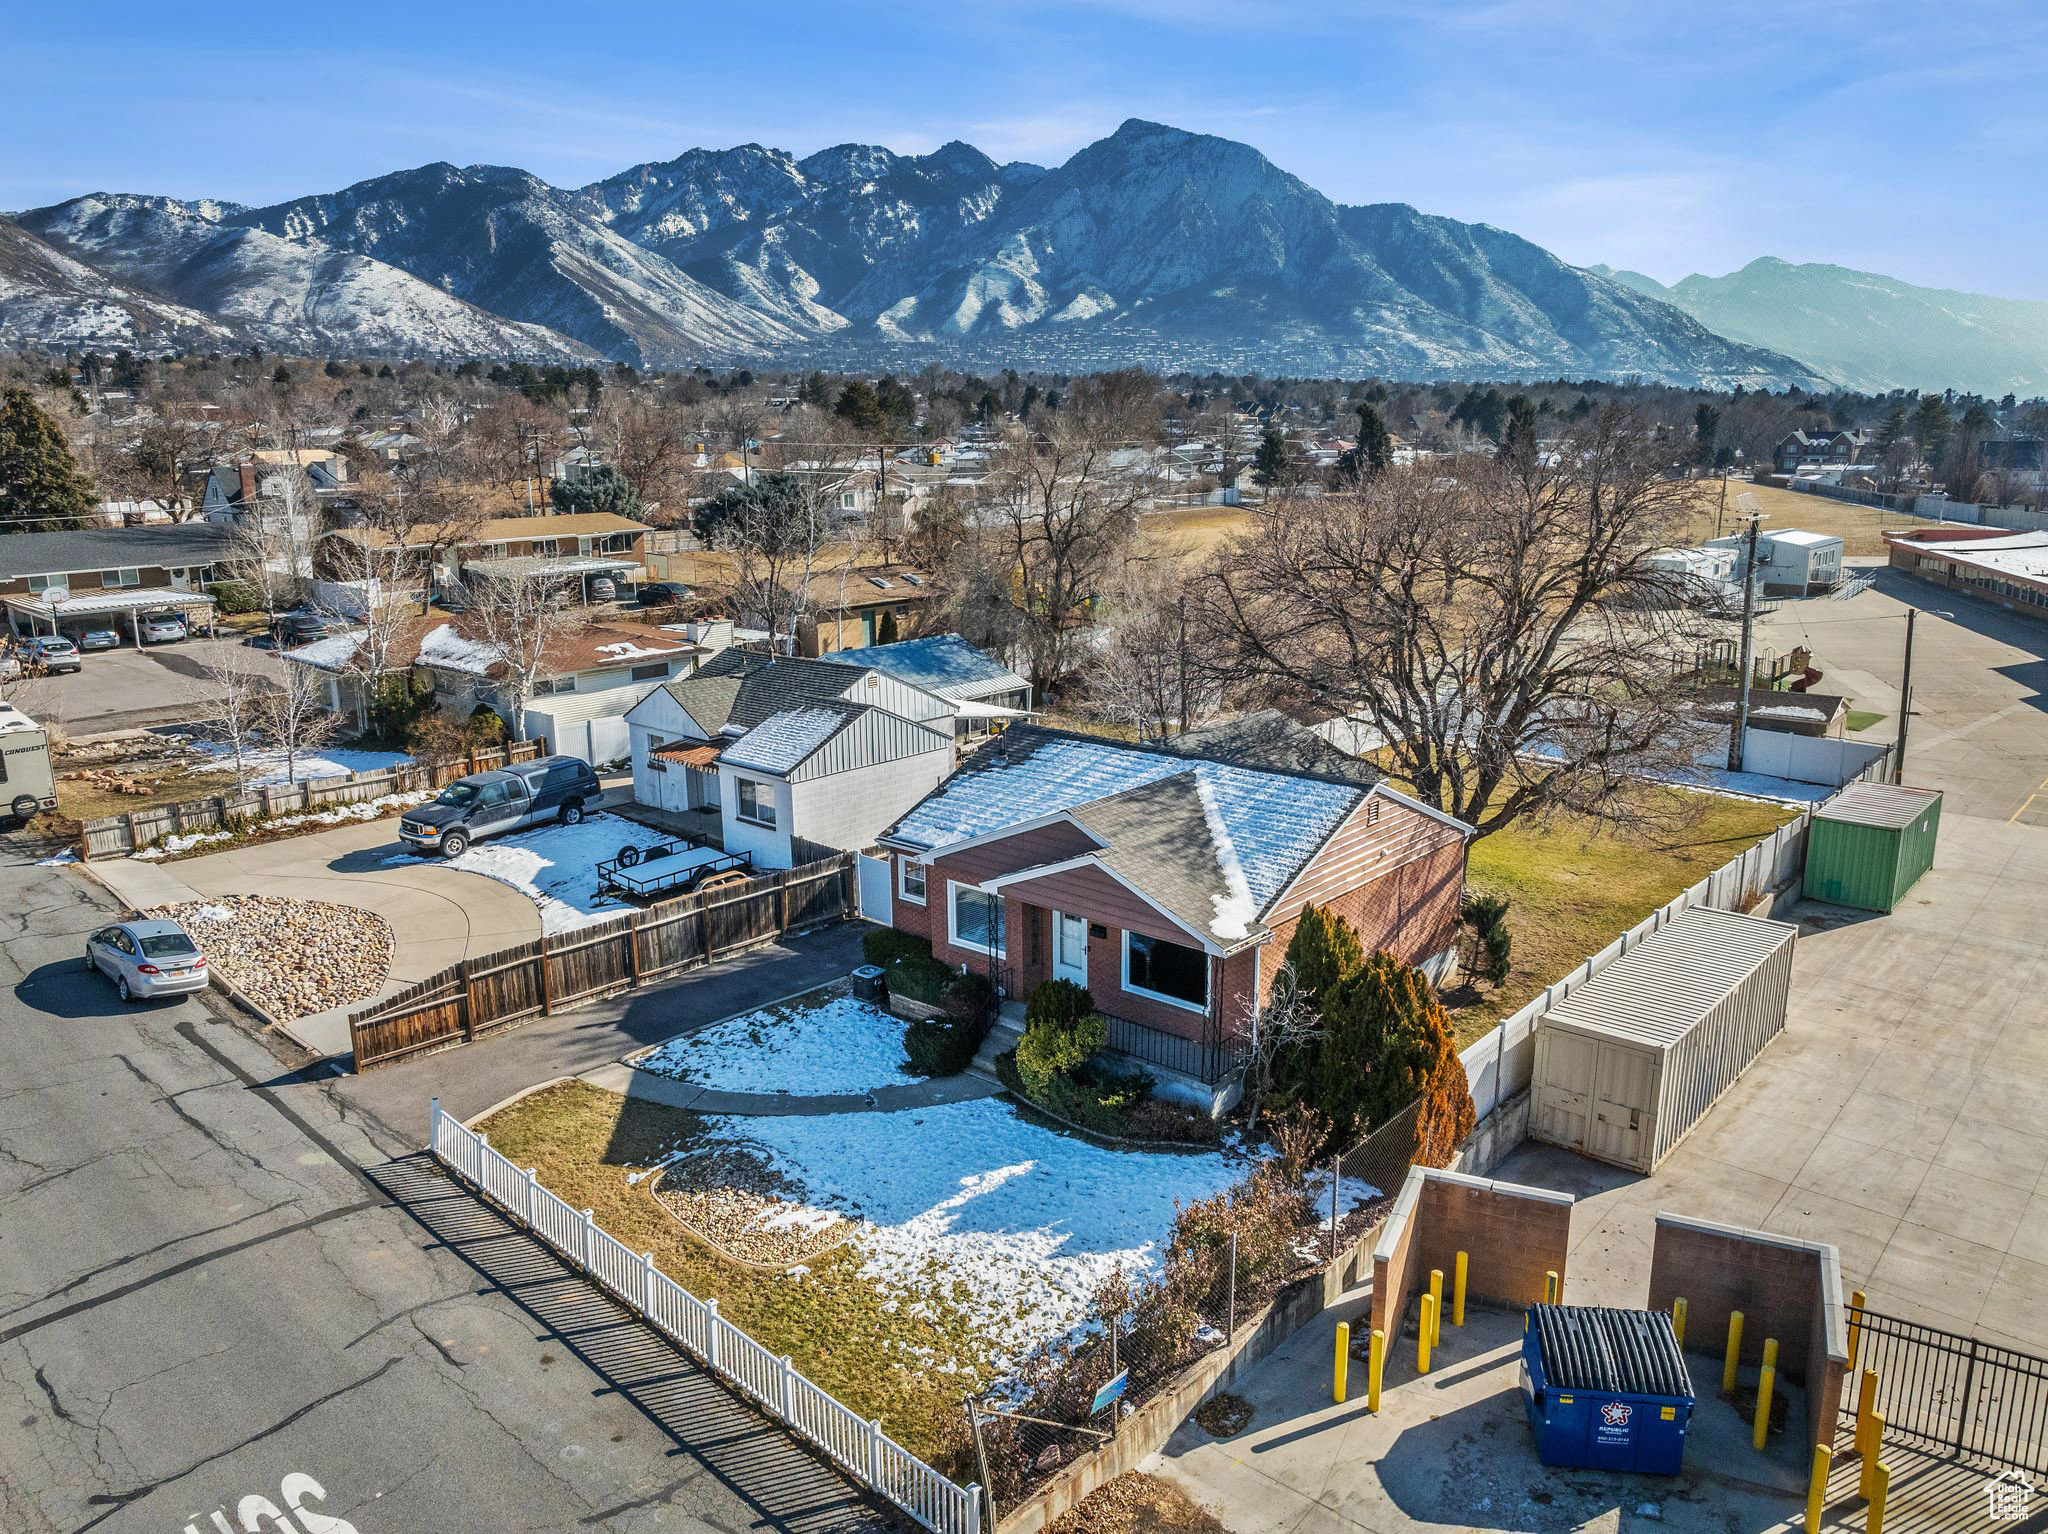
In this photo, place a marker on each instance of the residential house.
(1789, 561)
(580, 546)
(233, 490)
(1169, 885)
(856, 607)
(593, 676)
(783, 757)
(985, 693)
(110, 577)
(1798, 450)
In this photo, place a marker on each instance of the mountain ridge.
(1152, 245)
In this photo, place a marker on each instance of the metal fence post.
(1963, 1403)
(1231, 1335)
(1336, 1176)
(987, 1488)
(589, 1227)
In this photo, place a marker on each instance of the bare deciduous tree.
(1499, 622)
(1152, 669)
(1287, 1022)
(293, 716)
(525, 624)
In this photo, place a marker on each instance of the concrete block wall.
(1785, 1288)
(1512, 1237)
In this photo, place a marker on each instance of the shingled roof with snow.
(942, 663)
(1212, 842)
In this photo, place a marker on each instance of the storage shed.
(1632, 1059)
(1870, 843)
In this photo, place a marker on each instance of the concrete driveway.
(439, 916)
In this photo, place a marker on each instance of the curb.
(523, 1093)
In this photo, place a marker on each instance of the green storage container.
(1870, 844)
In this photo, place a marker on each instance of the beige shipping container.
(1630, 1061)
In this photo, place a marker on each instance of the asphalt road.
(222, 1290)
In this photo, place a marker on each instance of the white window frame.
(903, 866)
(975, 945)
(650, 671)
(117, 578)
(762, 792)
(1208, 977)
(38, 584)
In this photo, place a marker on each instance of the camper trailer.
(27, 785)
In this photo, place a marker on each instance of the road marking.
(2025, 806)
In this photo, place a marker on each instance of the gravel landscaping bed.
(730, 1199)
(292, 958)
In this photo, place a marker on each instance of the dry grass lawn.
(1861, 528)
(1194, 531)
(1574, 889)
(879, 1360)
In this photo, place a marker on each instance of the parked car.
(603, 589)
(662, 593)
(51, 652)
(304, 628)
(487, 804)
(162, 628)
(147, 959)
(100, 639)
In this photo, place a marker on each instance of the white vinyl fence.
(771, 1381)
(1501, 1064)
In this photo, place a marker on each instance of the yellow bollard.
(1375, 1367)
(1458, 1292)
(1766, 1387)
(1817, 1487)
(1552, 1288)
(1436, 1307)
(1423, 1333)
(1867, 1481)
(1343, 1361)
(1866, 1409)
(1880, 1491)
(1678, 1319)
(1856, 1303)
(1734, 1358)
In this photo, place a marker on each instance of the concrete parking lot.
(126, 688)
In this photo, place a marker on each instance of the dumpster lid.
(1877, 804)
(1590, 1347)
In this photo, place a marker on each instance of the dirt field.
(1195, 530)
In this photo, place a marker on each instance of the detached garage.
(1631, 1060)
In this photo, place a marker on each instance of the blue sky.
(1905, 139)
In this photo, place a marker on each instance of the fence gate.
(872, 882)
(1952, 1391)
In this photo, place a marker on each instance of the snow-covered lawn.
(556, 866)
(969, 1207)
(266, 765)
(839, 1045)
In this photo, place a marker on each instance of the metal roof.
(782, 741)
(131, 599)
(1667, 984)
(942, 663)
(1877, 804)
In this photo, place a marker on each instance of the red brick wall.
(1511, 1236)
(1411, 910)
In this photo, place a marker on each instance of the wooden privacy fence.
(857, 1445)
(118, 835)
(1501, 1064)
(486, 994)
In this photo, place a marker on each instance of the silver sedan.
(147, 959)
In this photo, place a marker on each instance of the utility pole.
(1735, 739)
(1905, 702)
(1723, 509)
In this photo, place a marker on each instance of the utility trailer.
(670, 868)
(28, 784)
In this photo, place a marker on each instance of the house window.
(1170, 972)
(553, 684)
(847, 501)
(37, 584)
(120, 578)
(650, 673)
(910, 879)
(975, 919)
(757, 803)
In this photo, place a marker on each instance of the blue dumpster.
(1606, 1389)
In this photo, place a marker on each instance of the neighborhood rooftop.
(782, 741)
(944, 664)
(741, 689)
(1257, 826)
(115, 548)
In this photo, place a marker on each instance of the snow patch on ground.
(556, 867)
(266, 766)
(1018, 1224)
(841, 1045)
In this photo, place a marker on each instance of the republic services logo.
(1616, 1413)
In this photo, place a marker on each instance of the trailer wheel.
(628, 856)
(719, 881)
(24, 808)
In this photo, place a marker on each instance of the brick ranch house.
(1168, 884)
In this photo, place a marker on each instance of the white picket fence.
(1503, 1063)
(858, 1446)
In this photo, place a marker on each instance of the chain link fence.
(1229, 1257)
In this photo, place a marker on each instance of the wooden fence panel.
(496, 990)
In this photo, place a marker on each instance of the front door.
(1069, 948)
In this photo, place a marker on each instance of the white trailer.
(28, 784)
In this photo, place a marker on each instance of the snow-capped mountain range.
(1152, 246)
